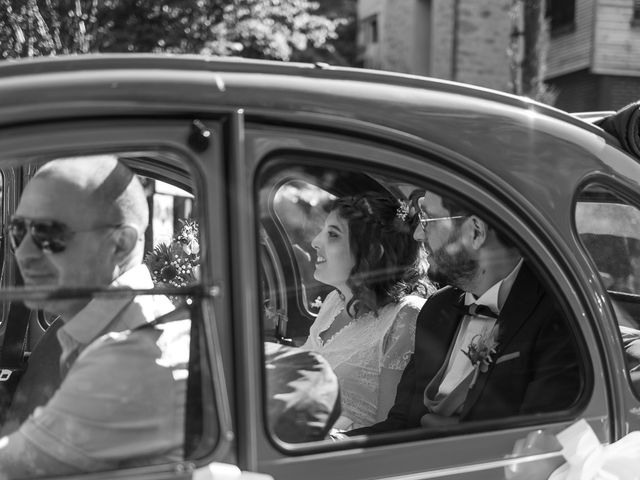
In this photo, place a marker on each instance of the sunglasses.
(48, 236)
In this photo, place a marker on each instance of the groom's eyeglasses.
(49, 236)
(425, 219)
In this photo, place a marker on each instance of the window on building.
(636, 12)
(370, 29)
(561, 15)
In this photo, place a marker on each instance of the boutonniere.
(481, 352)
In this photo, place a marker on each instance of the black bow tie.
(479, 310)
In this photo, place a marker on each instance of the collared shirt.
(472, 326)
(122, 401)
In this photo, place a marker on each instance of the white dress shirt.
(460, 366)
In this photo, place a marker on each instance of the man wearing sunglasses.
(80, 224)
(492, 343)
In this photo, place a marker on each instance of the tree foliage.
(272, 29)
(342, 49)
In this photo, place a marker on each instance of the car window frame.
(169, 135)
(623, 193)
(270, 139)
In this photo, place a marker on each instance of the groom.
(492, 343)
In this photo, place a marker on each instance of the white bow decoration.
(587, 459)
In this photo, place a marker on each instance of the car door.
(184, 183)
(318, 160)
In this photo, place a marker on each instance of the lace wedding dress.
(360, 350)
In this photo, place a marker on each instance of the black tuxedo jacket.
(536, 367)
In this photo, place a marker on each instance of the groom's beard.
(451, 264)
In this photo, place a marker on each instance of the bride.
(365, 327)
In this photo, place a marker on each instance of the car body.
(238, 136)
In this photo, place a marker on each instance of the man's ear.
(479, 231)
(126, 238)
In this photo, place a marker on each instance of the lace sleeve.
(399, 340)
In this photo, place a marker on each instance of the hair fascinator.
(403, 210)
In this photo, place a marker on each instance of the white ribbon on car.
(587, 459)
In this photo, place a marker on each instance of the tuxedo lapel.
(445, 329)
(518, 308)
(521, 303)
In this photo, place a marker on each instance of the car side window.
(609, 228)
(87, 231)
(324, 226)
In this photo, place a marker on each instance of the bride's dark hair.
(389, 263)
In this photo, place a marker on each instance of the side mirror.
(303, 395)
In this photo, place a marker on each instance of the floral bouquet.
(176, 264)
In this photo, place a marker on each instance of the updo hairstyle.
(389, 263)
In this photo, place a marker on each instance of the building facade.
(592, 46)
(594, 54)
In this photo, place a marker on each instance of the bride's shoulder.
(407, 311)
(412, 302)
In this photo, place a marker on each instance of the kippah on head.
(105, 182)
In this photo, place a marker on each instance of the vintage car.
(246, 154)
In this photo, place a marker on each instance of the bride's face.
(334, 258)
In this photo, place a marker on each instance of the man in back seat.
(491, 344)
(121, 401)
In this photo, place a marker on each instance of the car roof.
(538, 152)
(225, 67)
